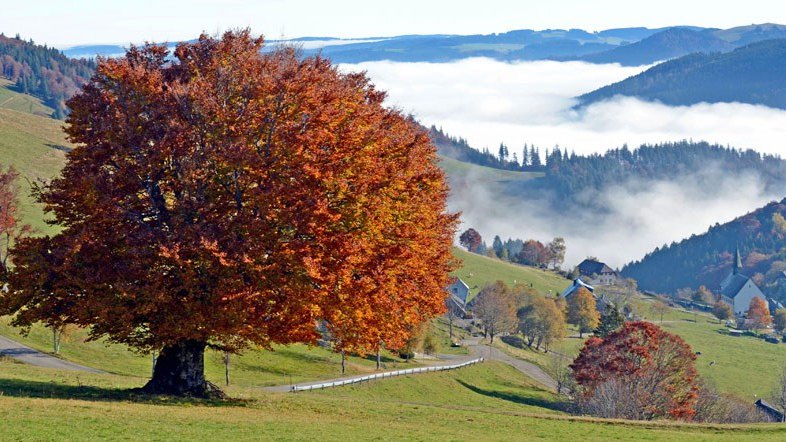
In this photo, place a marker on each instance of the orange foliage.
(231, 197)
(758, 314)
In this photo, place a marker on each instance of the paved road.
(477, 350)
(34, 357)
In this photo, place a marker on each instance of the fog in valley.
(488, 102)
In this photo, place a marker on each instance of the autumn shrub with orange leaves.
(637, 372)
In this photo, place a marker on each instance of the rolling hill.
(33, 143)
(707, 258)
(671, 43)
(752, 74)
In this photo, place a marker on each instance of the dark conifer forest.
(43, 72)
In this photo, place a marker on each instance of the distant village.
(731, 301)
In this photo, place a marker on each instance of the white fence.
(387, 374)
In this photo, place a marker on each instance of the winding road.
(31, 356)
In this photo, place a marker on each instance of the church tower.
(737, 262)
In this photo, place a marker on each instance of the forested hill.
(665, 45)
(571, 177)
(458, 149)
(752, 74)
(706, 259)
(43, 72)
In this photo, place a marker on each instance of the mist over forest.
(488, 102)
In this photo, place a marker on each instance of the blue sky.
(63, 23)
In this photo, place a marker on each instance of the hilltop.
(628, 46)
(752, 74)
(665, 45)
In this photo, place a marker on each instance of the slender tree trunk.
(343, 362)
(56, 336)
(379, 360)
(226, 366)
(180, 371)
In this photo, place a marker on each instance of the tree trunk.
(379, 359)
(180, 371)
(343, 362)
(56, 337)
(226, 366)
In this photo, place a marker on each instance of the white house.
(459, 290)
(738, 290)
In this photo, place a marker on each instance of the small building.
(577, 283)
(601, 301)
(598, 273)
(773, 413)
(457, 301)
(738, 290)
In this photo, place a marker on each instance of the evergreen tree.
(610, 321)
(497, 246)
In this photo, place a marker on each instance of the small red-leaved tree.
(10, 228)
(637, 372)
(225, 197)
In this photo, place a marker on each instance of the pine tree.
(610, 320)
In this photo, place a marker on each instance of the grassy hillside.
(477, 271)
(254, 368)
(31, 142)
(486, 402)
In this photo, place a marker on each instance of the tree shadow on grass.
(50, 390)
(519, 399)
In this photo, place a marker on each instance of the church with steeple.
(738, 290)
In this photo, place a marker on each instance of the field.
(33, 143)
(477, 271)
(485, 402)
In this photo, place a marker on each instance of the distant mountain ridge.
(628, 46)
(665, 45)
(752, 74)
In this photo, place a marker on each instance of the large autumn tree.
(224, 197)
(637, 372)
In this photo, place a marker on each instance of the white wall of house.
(743, 299)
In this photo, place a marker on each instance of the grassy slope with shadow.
(485, 402)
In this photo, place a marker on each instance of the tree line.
(530, 252)
(43, 72)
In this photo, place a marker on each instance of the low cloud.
(632, 217)
(488, 102)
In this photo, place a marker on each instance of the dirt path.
(30, 356)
